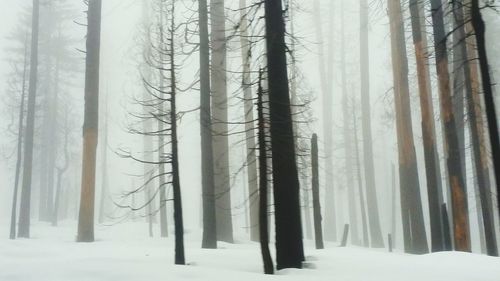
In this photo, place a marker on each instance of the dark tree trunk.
(263, 182)
(489, 101)
(377, 241)
(415, 239)
(428, 128)
(456, 178)
(475, 121)
(176, 183)
(289, 246)
(207, 171)
(318, 229)
(24, 212)
(91, 123)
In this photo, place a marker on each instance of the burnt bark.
(289, 246)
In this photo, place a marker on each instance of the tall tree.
(176, 182)
(207, 171)
(19, 144)
(428, 127)
(325, 64)
(289, 246)
(91, 123)
(24, 212)
(377, 240)
(318, 229)
(249, 125)
(218, 77)
(349, 177)
(489, 101)
(415, 240)
(455, 176)
(477, 129)
(263, 183)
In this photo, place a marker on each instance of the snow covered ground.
(125, 253)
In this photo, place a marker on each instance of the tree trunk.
(318, 230)
(364, 222)
(456, 178)
(475, 120)
(263, 182)
(24, 212)
(289, 247)
(253, 196)
(207, 171)
(176, 182)
(222, 178)
(162, 157)
(104, 164)
(19, 145)
(415, 240)
(377, 240)
(349, 179)
(91, 123)
(325, 72)
(489, 101)
(428, 128)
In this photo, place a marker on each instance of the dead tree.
(24, 212)
(428, 127)
(249, 125)
(289, 246)
(456, 178)
(318, 229)
(91, 123)
(377, 241)
(415, 240)
(489, 101)
(207, 173)
(263, 182)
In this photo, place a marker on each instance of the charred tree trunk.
(253, 196)
(489, 101)
(415, 240)
(456, 178)
(428, 128)
(263, 182)
(24, 212)
(475, 120)
(91, 123)
(318, 229)
(377, 241)
(176, 183)
(289, 247)
(207, 171)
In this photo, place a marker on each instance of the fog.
(121, 83)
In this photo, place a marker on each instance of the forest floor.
(125, 253)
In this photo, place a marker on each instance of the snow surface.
(125, 253)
